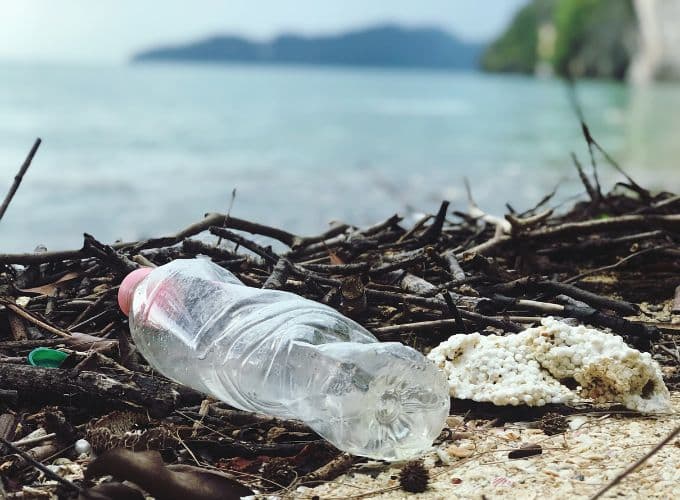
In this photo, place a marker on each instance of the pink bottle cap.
(127, 288)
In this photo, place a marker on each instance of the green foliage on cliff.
(515, 50)
(594, 38)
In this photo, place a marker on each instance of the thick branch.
(92, 388)
(266, 253)
(621, 223)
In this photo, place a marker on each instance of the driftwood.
(449, 273)
(96, 389)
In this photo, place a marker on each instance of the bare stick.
(615, 265)
(595, 195)
(40, 257)
(454, 266)
(231, 205)
(593, 144)
(32, 318)
(486, 247)
(35, 440)
(419, 325)
(19, 177)
(435, 229)
(637, 464)
(576, 105)
(107, 254)
(339, 465)
(263, 252)
(543, 201)
(620, 223)
(454, 312)
(523, 285)
(222, 221)
(277, 279)
(191, 230)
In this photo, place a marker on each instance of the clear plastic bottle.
(277, 353)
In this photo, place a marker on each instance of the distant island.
(382, 46)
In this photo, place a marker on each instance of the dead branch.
(19, 177)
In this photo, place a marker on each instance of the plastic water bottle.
(277, 353)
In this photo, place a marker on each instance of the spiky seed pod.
(414, 477)
(277, 473)
(553, 423)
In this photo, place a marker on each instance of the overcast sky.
(110, 30)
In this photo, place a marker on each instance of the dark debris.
(613, 262)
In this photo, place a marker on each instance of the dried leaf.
(335, 259)
(51, 288)
(85, 342)
(240, 464)
(174, 482)
(207, 484)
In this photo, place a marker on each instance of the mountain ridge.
(386, 45)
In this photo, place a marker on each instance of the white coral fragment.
(529, 368)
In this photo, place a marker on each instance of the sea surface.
(131, 151)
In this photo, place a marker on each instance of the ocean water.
(141, 150)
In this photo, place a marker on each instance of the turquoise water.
(141, 150)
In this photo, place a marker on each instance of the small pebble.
(456, 451)
(83, 446)
(444, 457)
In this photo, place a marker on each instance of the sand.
(576, 464)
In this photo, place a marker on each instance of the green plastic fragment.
(44, 357)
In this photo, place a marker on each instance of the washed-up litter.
(276, 353)
(533, 368)
(610, 263)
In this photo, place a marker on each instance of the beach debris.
(526, 450)
(553, 423)
(19, 177)
(416, 284)
(147, 470)
(460, 451)
(277, 473)
(531, 368)
(111, 491)
(414, 477)
(44, 357)
(503, 481)
(82, 446)
(84, 342)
